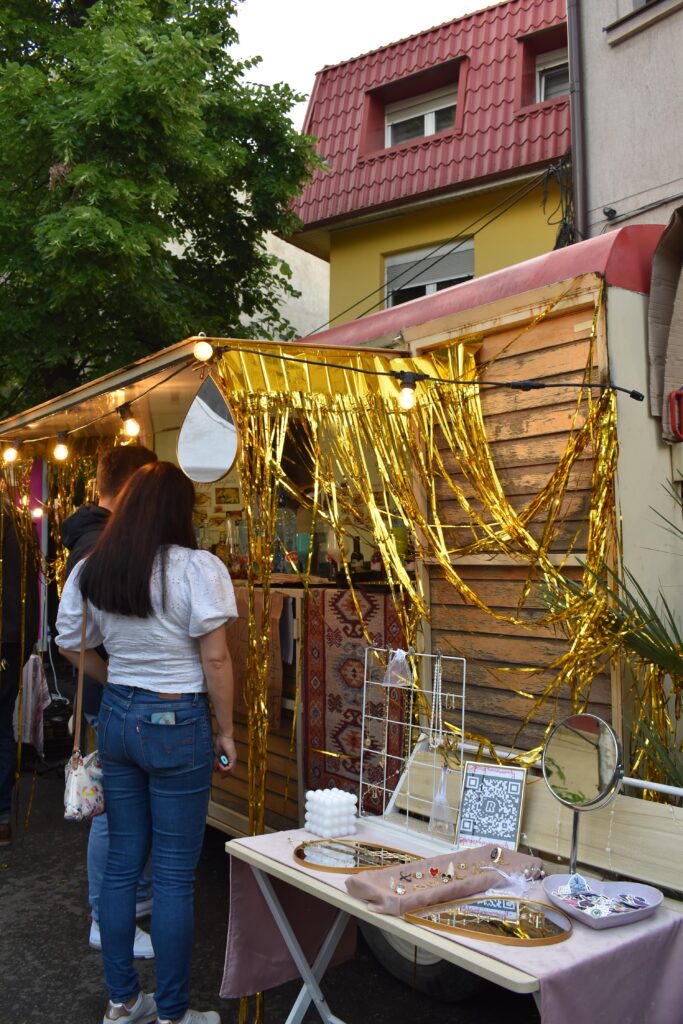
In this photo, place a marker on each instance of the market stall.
(453, 461)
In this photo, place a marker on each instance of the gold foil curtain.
(373, 465)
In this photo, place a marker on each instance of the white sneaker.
(194, 1017)
(142, 946)
(143, 1011)
(144, 907)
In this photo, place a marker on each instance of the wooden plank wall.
(527, 432)
(232, 792)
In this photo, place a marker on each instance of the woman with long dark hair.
(160, 607)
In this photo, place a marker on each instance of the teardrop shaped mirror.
(208, 439)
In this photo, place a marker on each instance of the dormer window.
(420, 116)
(552, 75)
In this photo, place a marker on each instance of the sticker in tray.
(577, 893)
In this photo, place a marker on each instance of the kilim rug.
(333, 695)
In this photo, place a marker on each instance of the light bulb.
(202, 351)
(131, 427)
(10, 454)
(37, 513)
(60, 450)
(406, 397)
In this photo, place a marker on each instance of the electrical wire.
(413, 377)
(403, 376)
(464, 235)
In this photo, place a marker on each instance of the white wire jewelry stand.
(407, 748)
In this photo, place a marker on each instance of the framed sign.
(491, 805)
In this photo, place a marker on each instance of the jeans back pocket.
(167, 747)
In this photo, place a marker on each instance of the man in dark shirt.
(80, 533)
(19, 598)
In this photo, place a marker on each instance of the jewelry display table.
(627, 975)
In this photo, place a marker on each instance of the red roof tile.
(495, 135)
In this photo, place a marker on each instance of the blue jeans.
(157, 780)
(98, 851)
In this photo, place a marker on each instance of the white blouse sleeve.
(211, 594)
(70, 617)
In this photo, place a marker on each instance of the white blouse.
(161, 652)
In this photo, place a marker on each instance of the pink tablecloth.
(627, 975)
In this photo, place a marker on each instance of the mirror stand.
(575, 842)
(582, 767)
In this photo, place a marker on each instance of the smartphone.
(163, 718)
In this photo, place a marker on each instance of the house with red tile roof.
(445, 156)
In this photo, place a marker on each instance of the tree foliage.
(138, 173)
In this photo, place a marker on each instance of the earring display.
(350, 855)
(408, 770)
(508, 919)
(445, 878)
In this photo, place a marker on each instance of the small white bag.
(83, 789)
(83, 792)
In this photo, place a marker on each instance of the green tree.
(139, 170)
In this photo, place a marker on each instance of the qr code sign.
(491, 805)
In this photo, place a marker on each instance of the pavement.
(49, 972)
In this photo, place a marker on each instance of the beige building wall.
(311, 277)
(632, 90)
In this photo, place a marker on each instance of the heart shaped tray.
(635, 901)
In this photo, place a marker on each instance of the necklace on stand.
(436, 718)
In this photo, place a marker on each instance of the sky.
(296, 38)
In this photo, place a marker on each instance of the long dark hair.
(153, 510)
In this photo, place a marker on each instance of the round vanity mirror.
(582, 762)
(349, 855)
(582, 767)
(208, 439)
(511, 920)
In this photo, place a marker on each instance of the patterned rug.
(333, 696)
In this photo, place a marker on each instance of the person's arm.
(217, 665)
(95, 666)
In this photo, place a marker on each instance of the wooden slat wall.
(232, 792)
(528, 432)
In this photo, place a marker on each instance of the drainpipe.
(579, 176)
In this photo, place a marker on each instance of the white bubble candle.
(331, 813)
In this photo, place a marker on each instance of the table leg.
(310, 991)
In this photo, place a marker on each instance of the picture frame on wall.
(491, 805)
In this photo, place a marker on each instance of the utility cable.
(466, 233)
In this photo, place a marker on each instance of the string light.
(11, 452)
(408, 381)
(131, 427)
(60, 450)
(37, 513)
(203, 351)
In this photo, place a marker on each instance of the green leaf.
(139, 173)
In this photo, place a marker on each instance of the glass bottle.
(356, 559)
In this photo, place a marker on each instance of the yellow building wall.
(357, 253)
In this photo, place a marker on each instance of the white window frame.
(427, 104)
(548, 62)
(414, 255)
